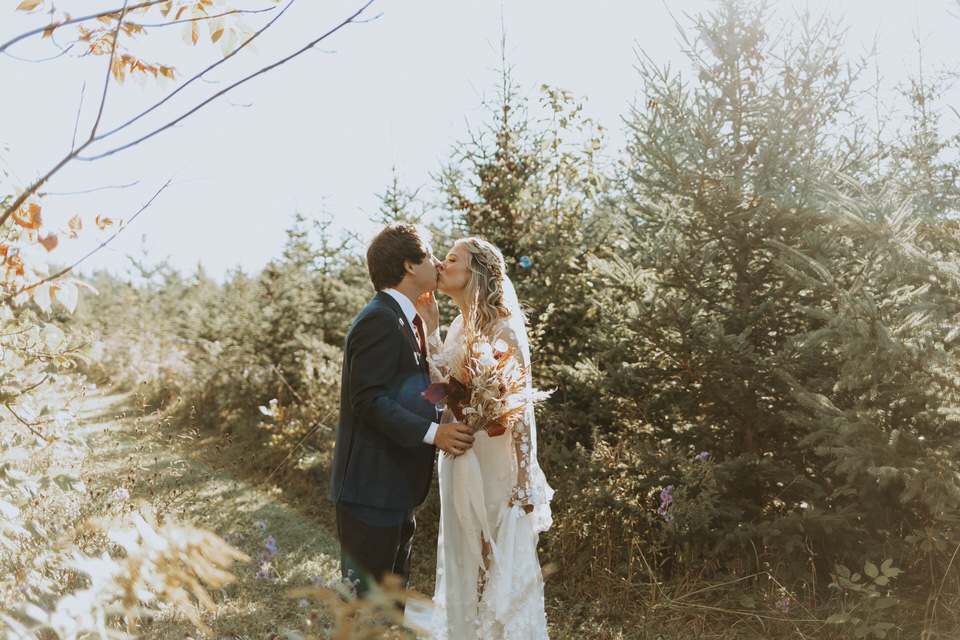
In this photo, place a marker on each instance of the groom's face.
(426, 272)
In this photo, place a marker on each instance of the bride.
(494, 499)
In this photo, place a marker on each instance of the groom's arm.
(376, 345)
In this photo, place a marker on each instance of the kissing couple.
(494, 498)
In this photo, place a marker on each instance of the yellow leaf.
(41, 295)
(80, 284)
(49, 31)
(26, 5)
(228, 43)
(216, 29)
(119, 71)
(67, 294)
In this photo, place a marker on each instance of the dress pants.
(369, 552)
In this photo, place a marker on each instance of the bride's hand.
(429, 312)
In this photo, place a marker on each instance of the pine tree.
(724, 184)
(535, 188)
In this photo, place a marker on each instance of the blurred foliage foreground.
(749, 316)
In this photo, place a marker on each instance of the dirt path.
(136, 456)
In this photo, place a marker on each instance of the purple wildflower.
(666, 499)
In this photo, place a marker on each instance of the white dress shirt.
(410, 312)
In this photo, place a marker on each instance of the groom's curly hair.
(390, 248)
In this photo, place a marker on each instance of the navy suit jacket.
(379, 459)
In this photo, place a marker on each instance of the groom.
(383, 457)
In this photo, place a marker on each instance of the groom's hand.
(454, 438)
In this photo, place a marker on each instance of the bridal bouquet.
(484, 385)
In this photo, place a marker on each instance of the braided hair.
(485, 287)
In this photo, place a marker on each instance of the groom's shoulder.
(377, 305)
(376, 311)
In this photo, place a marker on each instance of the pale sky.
(322, 133)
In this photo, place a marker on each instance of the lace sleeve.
(531, 490)
(436, 358)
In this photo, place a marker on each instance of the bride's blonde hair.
(486, 287)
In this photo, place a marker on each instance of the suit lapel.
(412, 339)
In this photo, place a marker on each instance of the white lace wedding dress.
(489, 584)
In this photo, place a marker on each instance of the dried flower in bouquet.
(484, 384)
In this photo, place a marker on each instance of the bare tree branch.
(24, 422)
(160, 25)
(63, 52)
(76, 123)
(106, 83)
(57, 25)
(107, 187)
(198, 76)
(103, 244)
(236, 84)
(75, 153)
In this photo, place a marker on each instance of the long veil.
(539, 492)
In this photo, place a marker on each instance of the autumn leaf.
(67, 294)
(27, 5)
(41, 295)
(75, 225)
(48, 32)
(28, 218)
(15, 264)
(21, 297)
(228, 42)
(49, 241)
(80, 284)
(103, 223)
(216, 29)
(119, 71)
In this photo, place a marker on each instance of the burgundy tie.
(418, 323)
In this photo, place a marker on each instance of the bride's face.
(454, 273)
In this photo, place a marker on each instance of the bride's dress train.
(489, 583)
